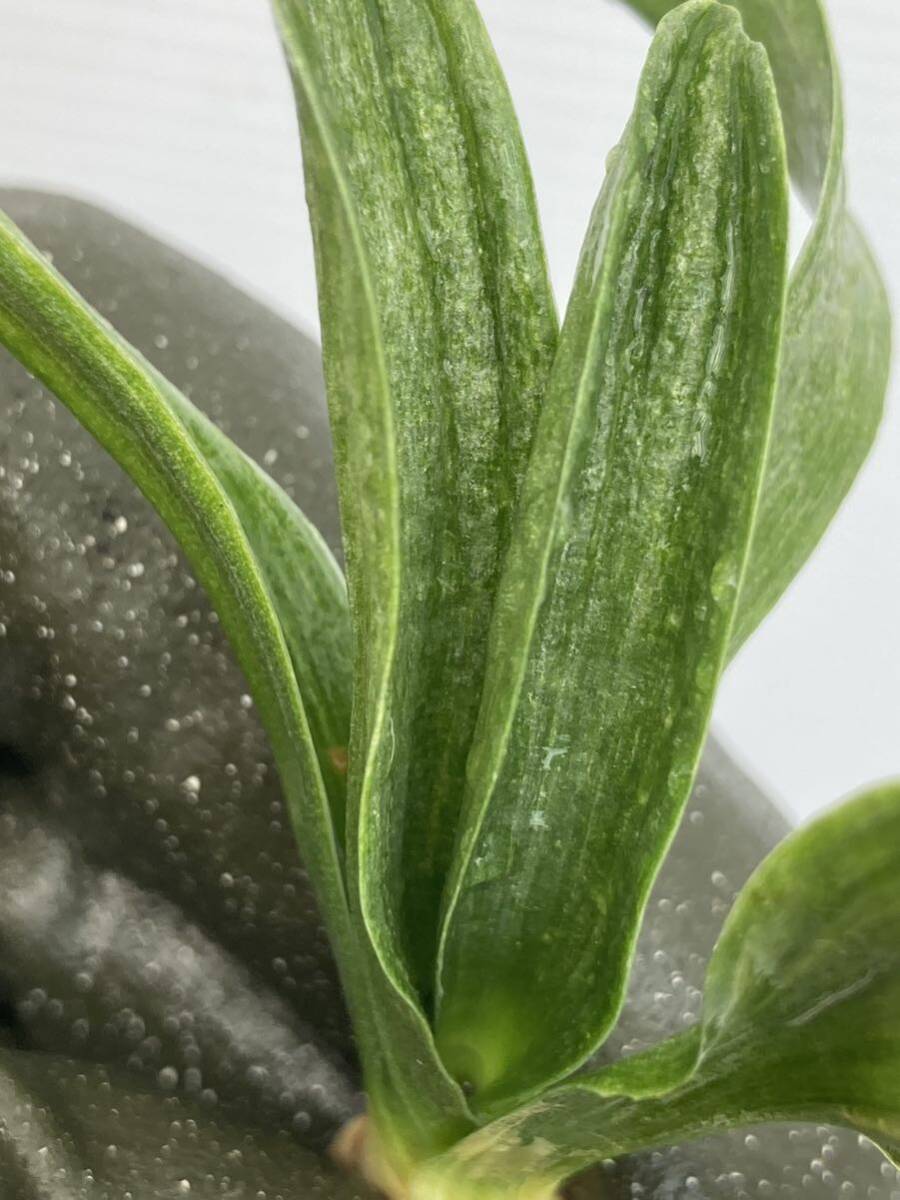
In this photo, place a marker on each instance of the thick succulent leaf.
(836, 349)
(410, 1094)
(118, 398)
(114, 666)
(306, 587)
(616, 605)
(800, 1022)
(438, 329)
(305, 583)
(804, 983)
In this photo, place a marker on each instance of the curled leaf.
(799, 1023)
(837, 332)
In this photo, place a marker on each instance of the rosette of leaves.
(555, 538)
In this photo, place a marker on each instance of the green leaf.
(836, 350)
(616, 605)
(800, 1023)
(804, 983)
(413, 1101)
(121, 401)
(233, 840)
(125, 405)
(306, 587)
(438, 331)
(652, 10)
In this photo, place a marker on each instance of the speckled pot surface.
(173, 1025)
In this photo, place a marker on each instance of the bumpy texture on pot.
(173, 1024)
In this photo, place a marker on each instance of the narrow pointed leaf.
(800, 1023)
(616, 604)
(124, 403)
(137, 416)
(306, 587)
(438, 330)
(305, 582)
(836, 349)
(803, 988)
(421, 203)
(410, 1095)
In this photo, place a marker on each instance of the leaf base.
(357, 1151)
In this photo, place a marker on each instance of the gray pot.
(173, 1021)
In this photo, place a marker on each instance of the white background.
(177, 113)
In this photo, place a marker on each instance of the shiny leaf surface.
(616, 604)
(438, 330)
(160, 924)
(799, 1023)
(120, 400)
(306, 587)
(837, 337)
